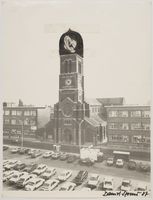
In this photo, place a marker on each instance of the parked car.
(5, 162)
(68, 186)
(20, 166)
(107, 184)
(48, 173)
(15, 177)
(63, 156)
(64, 175)
(5, 147)
(126, 185)
(131, 165)
(141, 187)
(31, 151)
(24, 180)
(48, 154)
(30, 168)
(34, 184)
(22, 151)
(8, 174)
(15, 149)
(86, 161)
(100, 157)
(55, 155)
(36, 154)
(93, 181)
(49, 185)
(11, 164)
(144, 167)
(85, 189)
(110, 161)
(40, 169)
(119, 163)
(71, 159)
(81, 176)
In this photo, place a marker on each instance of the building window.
(119, 138)
(6, 121)
(146, 114)
(112, 113)
(122, 113)
(6, 112)
(135, 113)
(124, 126)
(33, 112)
(113, 126)
(20, 122)
(139, 139)
(13, 112)
(26, 122)
(136, 126)
(13, 121)
(146, 126)
(67, 122)
(32, 122)
(19, 112)
(26, 113)
(30, 113)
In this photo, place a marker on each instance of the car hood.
(107, 186)
(125, 188)
(13, 179)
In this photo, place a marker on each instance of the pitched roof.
(93, 102)
(111, 101)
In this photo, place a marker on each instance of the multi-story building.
(18, 119)
(128, 126)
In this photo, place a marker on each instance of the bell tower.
(71, 109)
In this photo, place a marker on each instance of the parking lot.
(118, 174)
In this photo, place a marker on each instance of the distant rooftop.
(111, 101)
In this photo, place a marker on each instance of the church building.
(73, 122)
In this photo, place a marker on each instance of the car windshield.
(15, 176)
(125, 184)
(48, 171)
(110, 159)
(31, 183)
(93, 178)
(62, 174)
(39, 168)
(62, 189)
(22, 179)
(46, 184)
(79, 175)
(108, 183)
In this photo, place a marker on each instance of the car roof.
(51, 180)
(41, 165)
(119, 159)
(107, 178)
(68, 184)
(65, 171)
(126, 181)
(94, 175)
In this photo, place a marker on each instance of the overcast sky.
(117, 49)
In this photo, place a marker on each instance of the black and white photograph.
(76, 98)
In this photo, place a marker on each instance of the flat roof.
(124, 106)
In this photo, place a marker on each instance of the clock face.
(67, 110)
(68, 82)
(70, 44)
